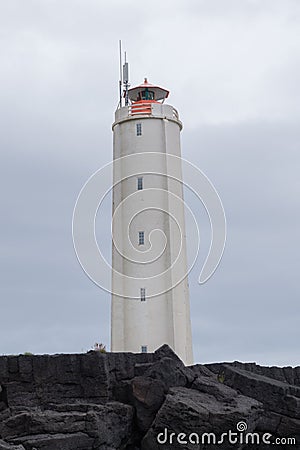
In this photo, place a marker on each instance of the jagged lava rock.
(111, 401)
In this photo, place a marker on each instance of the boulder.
(278, 396)
(6, 446)
(192, 413)
(171, 372)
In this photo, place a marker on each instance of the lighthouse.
(150, 301)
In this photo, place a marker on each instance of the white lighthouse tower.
(150, 300)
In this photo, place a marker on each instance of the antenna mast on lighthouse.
(124, 78)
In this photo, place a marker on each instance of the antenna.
(126, 80)
(120, 67)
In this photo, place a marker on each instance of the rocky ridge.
(110, 401)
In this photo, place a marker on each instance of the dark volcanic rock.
(107, 425)
(269, 385)
(125, 401)
(171, 372)
(6, 446)
(65, 441)
(38, 380)
(187, 411)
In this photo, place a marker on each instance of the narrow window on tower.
(140, 183)
(141, 238)
(139, 129)
(143, 294)
(144, 349)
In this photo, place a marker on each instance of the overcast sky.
(233, 71)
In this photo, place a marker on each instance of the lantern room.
(147, 92)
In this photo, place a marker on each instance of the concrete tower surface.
(150, 300)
